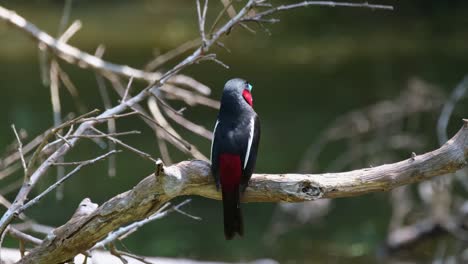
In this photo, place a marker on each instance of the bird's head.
(238, 89)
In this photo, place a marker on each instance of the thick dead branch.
(193, 178)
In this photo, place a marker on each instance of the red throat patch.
(230, 171)
(248, 97)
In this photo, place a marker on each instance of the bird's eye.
(249, 87)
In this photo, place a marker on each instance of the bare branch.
(116, 134)
(162, 59)
(10, 170)
(111, 124)
(65, 16)
(75, 26)
(127, 90)
(189, 125)
(54, 93)
(86, 162)
(119, 142)
(64, 178)
(173, 137)
(20, 150)
(75, 56)
(104, 118)
(448, 108)
(227, 7)
(201, 21)
(67, 82)
(194, 178)
(188, 97)
(23, 236)
(270, 11)
(55, 73)
(57, 112)
(123, 231)
(212, 57)
(33, 227)
(11, 187)
(7, 161)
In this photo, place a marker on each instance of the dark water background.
(317, 64)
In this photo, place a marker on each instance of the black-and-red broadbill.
(234, 150)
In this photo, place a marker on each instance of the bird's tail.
(232, 214)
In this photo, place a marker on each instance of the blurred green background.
(317, 63)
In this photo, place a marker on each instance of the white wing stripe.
(249, 145)
(212, 141)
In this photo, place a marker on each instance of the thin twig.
(11, 187)
(124, 232)
(60, 140)
(116, 253)
(63, 36)
(104, 118)
(201, 21)
(117, 141)
(111, 124)
(43, 58)
(65, 17)
(163, 150)
(64, 139)
(63, 179)
(118, 87)
(57, 115)
(172, 136)
(23, 236)
(75, 56)
(187, 214)
(166, 105)
(81, 162)
(10, 170)
(162, 123)
(67, 82)
(133, 132)
(74, 27)
(164, 58)
(2, 237)
(447, 110)
(212, 57)
(4, 202)
(315, 3)
(188, 97)
(162, 212)
(189, 125)
(11, 159)
(127, 90)
(20, 150)
(130, 255)
(220, 15)
(33, 227)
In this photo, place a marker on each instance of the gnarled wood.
(193, 178)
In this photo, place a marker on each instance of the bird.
(234, 148)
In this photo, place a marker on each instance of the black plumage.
(234, 150)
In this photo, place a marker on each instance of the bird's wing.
(214, 153)
(250, 156)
